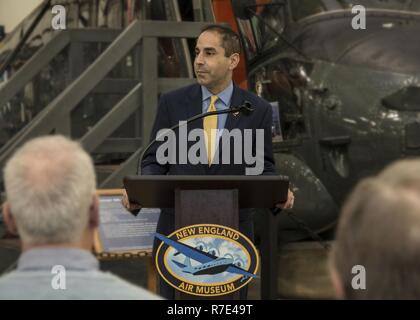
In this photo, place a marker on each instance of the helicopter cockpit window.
(261, 31)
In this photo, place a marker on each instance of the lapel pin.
(235, 114)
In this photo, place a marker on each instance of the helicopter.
(347, 98)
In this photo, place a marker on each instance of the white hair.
(50, 182)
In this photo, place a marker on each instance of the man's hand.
(130, 206)
(289, 203)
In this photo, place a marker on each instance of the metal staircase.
(135, 97)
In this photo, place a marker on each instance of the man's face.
(212, 68)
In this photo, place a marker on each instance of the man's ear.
(9, 220)
(94, 212)
(234, 61)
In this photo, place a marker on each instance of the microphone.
(244, 109)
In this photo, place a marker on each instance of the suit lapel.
(195, 107)
(232, 120)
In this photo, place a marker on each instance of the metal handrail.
(61, 106)
(39, 60)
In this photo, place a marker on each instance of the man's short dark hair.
(230, 39)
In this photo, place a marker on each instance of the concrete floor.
(303, 272)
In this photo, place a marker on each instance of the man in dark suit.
(216, 56)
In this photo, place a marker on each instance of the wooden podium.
(207, 199)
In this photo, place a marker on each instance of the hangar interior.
(98, 81)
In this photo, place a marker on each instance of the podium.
(208, 199)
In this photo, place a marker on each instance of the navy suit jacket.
(186, 102)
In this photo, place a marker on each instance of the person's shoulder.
(79, 285)
(14, 277)
(24, 285)
(7, 282)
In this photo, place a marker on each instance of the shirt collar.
(46, 258)
(225, 96)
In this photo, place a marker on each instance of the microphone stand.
(245, 109)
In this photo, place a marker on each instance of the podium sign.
(207, 199)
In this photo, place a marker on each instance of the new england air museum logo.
(206, 260)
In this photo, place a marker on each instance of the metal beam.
(167, 29)
(128, 167)
(94, 35)
(203, 10)
(167, 84)
(198, 10)
(119, 145)
(62, 105)
(172, 29)
(149, 67)
(31, 68)
(113, 119)
(111, 86)
(115, 86)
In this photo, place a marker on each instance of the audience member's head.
(379, 230)
(50, 188)
(403, 173)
